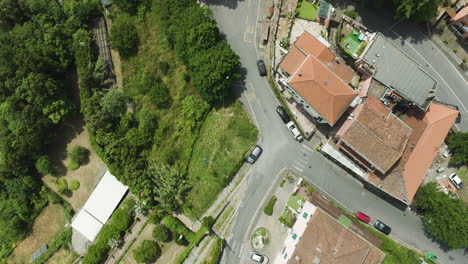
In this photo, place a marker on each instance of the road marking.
(300, 162)
(301, 170)
(443, 55)
(433, 70)
(251, 108)
(247, 20)
(306, 147)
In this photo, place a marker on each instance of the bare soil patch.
(169, 251)
(62, 256)
(88, 175)
(46, 226)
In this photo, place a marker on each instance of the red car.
(363, 217)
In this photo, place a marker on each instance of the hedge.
(197, 237)
(61, 240)
(269, 207)
(178, 228)
(215, 253)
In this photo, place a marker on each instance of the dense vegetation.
(458, 144)
(36, 58)
(147, 252)
(417, 10)
(444, 217)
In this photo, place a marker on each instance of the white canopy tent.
(99, 207)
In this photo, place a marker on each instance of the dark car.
(282, 113)
(253, 156)
(261, 68)
(382, 227)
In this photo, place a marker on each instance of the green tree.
(161, 233)
(417, 10)
(114, 103)
(458, 144)
(167, 185)
(194, 109)
(83, 10)
(444, 218)
(128, 5)
(121, 219)
(62, 186)
(124, 36)
(74, 185)
(79, 155)
(44, 166)
(13, 12)
(147, 252)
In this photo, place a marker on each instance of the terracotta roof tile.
(376, 135)
(293, 60)
(311, 45)
(322, 89)
(429, 132)
(324, 235)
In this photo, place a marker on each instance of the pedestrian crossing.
(302, 162)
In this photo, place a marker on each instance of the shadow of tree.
(232, 4)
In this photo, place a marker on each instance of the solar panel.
(39, 252)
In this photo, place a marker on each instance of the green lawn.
(224, 139)
(463, 174)
(352, 42)
(294, 202)
(308, 11)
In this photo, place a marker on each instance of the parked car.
(379, 225)
(441, 169)
(261, 68)
(456, 181)
(282, 113)
(258, 258)
(294, 131)
(254, 154)
(363, 217)
(446, 153)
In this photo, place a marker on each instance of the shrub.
(74, 185)
(440, 28)
(215, 253)
(122, 219)
(62, 186)
(44, 166)
(178, 228)
(154, 217)
(208, 221)
(78, 155)
(161, 233)
(351, 13)
(147, 252)
(309, 190)
(73, 165)
(96, 253)
(269, 207)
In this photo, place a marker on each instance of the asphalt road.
(237, 20)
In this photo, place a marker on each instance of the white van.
(294, 131)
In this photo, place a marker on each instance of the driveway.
(237, 20)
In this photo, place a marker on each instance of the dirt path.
(116, 60)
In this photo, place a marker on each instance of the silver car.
(258, 258)
(456, 181)
(253, 156)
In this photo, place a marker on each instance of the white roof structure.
(87, 225)
(99, 207)
(295, 234)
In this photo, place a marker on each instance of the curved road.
(237, 20)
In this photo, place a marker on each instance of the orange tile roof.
(429, 132)
(322, 89)
(376, 134)
(311, 45)
(462, 14)
(328, 240)
(308, 44)
(293, 60)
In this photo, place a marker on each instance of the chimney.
(299, 74)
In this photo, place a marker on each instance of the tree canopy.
(147, 252)
(444, 218)
(123, 36)
(458, 144)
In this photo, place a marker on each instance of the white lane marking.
(301, 170)
(300, 162)
(251, 108)
(443, 55)
(247, 20)
(461, 103)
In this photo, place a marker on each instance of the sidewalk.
(448, 52)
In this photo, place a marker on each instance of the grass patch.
(282, 183)
(463, 174)
(215, 253)
(222, 219)
(296, 202)
(225, 137)
(351, 43)
(269, 207)
(288, 218)
(307, 10)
